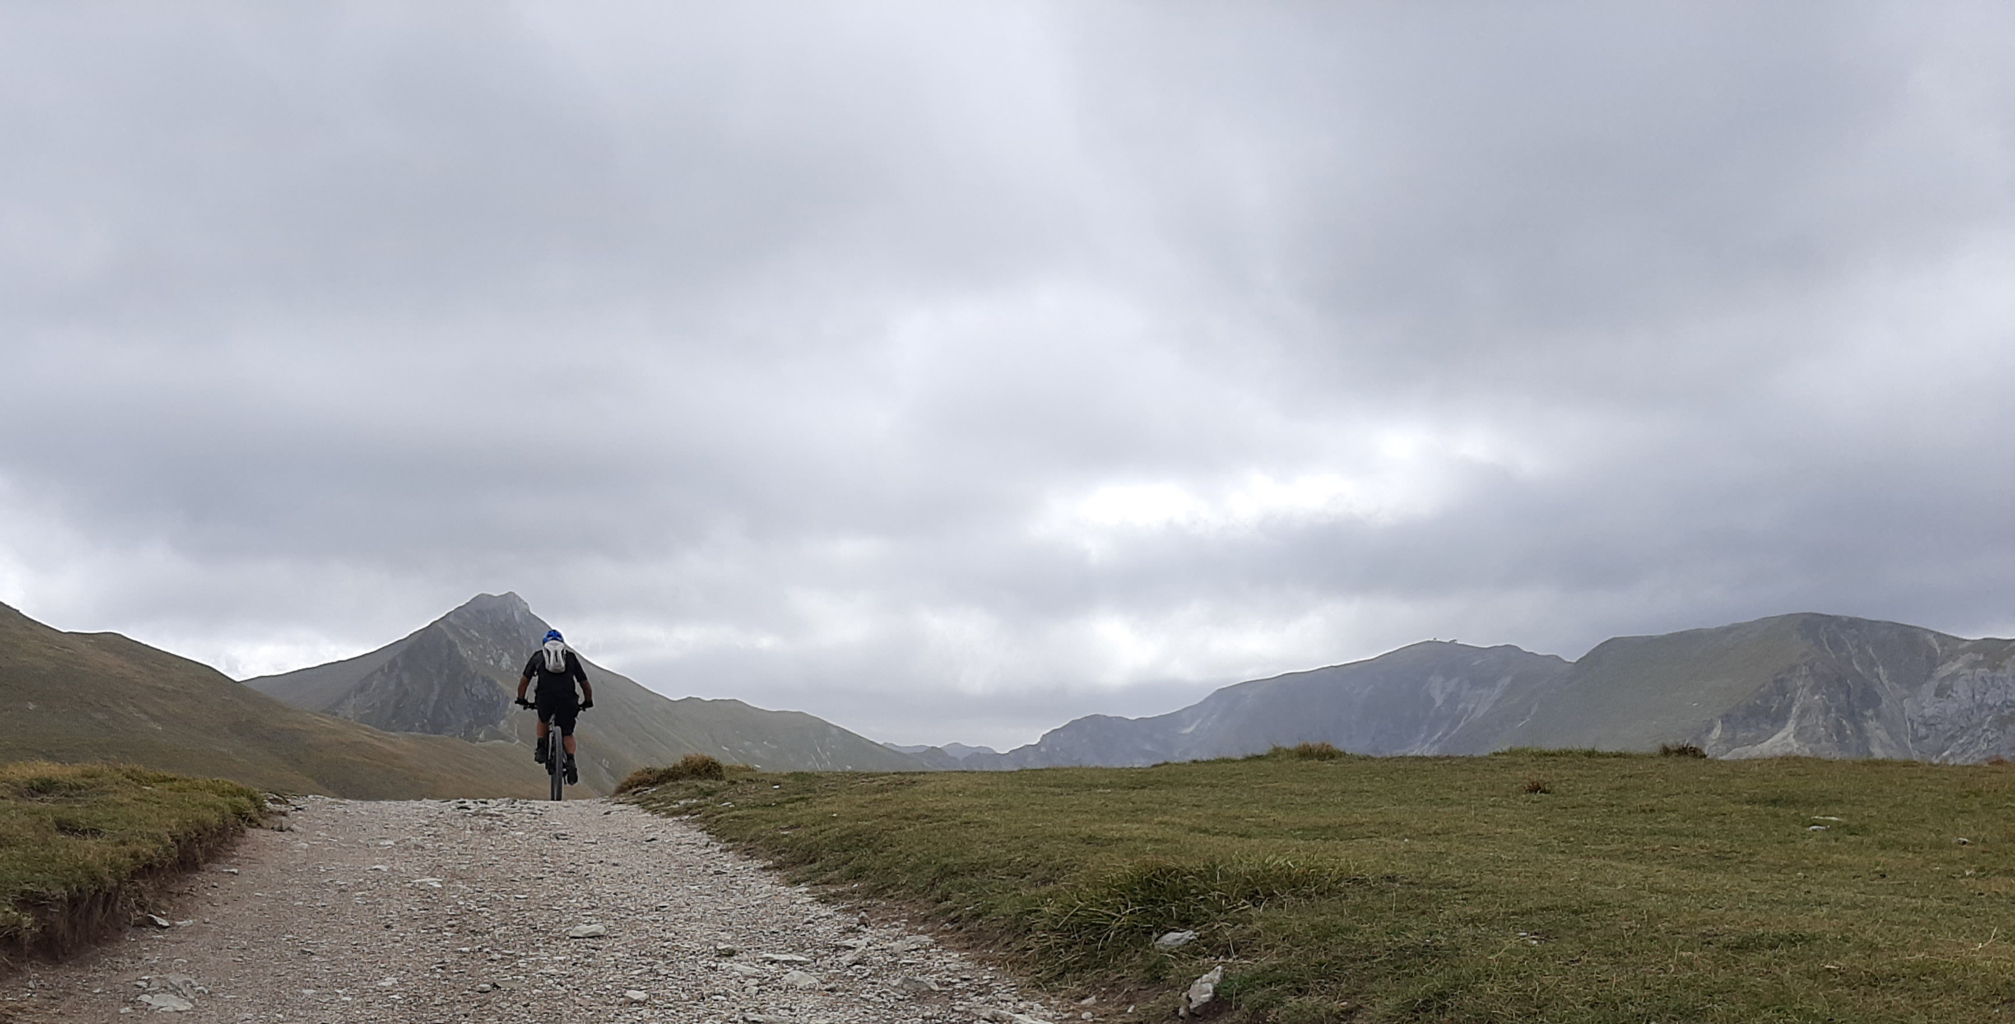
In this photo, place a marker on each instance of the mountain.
(456, 677)
(1806, 684)
(1815, 685)
(100, 696)
(949, 757)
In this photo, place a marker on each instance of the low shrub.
(691, 766)
(1680, 750)
(1537, 786)
(1311, 751)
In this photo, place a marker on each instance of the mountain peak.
(503, 617)
(507, 603)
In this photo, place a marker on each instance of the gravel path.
(461, 911)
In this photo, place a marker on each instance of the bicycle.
(556, 751)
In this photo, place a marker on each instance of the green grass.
(76, 840)
(1634, 888)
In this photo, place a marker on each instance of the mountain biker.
(558, 669)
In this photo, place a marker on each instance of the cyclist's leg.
(565, 715)
(539, 748)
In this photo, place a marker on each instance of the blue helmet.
(554, 634)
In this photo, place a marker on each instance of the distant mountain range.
(1810, 685)
(102, 697)
(456, 677)
(430, 714)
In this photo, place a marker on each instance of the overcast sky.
(952, 370)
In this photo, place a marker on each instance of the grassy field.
(1527, 886)
(75, 839)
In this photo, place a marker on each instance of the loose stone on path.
(473, 910)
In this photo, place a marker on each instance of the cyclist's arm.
(523, 681)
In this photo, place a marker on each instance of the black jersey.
(555, 685)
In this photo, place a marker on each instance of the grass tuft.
(1109, 921)
(1680, 750)
(79, 843)
(1537, 785)
(691, 766)
(1312, 751)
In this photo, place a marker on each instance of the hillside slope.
(100, 696)
(456, 676)
(1806, 684)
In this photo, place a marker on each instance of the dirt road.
(509, 911)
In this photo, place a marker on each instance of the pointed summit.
(456, 676)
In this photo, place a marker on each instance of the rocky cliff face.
(1876, 689)
(430, 685)
(1810, 685)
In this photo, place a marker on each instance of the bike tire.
(556, 760)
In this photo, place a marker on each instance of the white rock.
(163, 1002)
(745, 970)
(911, 944)
(159, 922)
(587, 931)
(637, 995)
(799, 979)
(1174, 940)
(786, 958)
(1201, 990)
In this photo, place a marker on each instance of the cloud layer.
(951, 370)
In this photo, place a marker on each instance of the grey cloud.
(837, 318)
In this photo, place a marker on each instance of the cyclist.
(558, 669)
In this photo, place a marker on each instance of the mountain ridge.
(1804, 683)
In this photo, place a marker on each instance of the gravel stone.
(452, 911)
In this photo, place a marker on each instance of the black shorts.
(560, 710)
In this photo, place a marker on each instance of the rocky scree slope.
(457, 675)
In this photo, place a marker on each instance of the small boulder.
(799, 979)
(1201, 991)
(587, 931)
(1174, 940)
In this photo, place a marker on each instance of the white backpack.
(556, 657)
